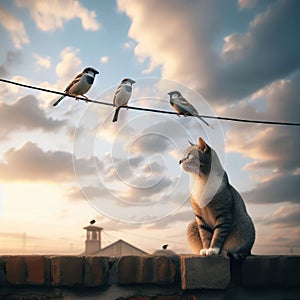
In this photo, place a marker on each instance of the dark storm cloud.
(260, 46)
(25, 114)
(268, 51)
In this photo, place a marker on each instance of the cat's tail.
(238, 256)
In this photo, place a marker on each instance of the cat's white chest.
(197, 186)
(203, 190)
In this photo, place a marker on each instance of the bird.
(122, 96)
(80, 84)
(183, 107)
(165, 246)
(92, 222)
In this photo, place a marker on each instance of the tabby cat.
(222, 224)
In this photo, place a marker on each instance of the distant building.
(118, 248)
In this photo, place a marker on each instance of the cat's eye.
(189, 156)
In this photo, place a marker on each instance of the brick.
(16, 270)
(188, 297)
(211, 272)
(164, 270)
(67, 270)
(140, 298)
(271, 270)
(146, 269)
(129, 270)
(37, 269)
(95, 271)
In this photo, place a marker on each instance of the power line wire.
(150, 109)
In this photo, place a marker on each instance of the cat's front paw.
(212, 251)
(203, 252)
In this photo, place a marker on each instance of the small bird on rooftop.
(165, 246)
(92, 222)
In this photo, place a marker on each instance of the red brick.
(147, 270)
(141, 298)
(164, 270)
(36, 269)
(16, 270)
(67, 270)
(176, 298)
(129, 270)
(95, 271)
(143, 269)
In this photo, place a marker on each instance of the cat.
(222, 224)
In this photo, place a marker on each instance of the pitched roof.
(122, 244)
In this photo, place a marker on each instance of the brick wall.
(149, 277)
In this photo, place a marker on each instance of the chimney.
(93, 239)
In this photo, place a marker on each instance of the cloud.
(284, 216)
(69, 65)
(91, 192)
(151, 143)
(266, 51)
(280, 188)
(12, 58)
(50, 16)
(148, 189)
(42, 62)
(15, 28)
(129, 44)
(243, 4)
(25, 114)
(104, 59)
(31, 163)
(270, 147)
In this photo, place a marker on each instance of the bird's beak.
(96, 72)
(180, 162)
(132, 81)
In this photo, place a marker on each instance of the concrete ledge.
(149, 277)
(211, 272)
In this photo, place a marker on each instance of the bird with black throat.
(183, 107)
(122, 96)
(80, 84)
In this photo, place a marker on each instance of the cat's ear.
(202, 146)
(192, 144)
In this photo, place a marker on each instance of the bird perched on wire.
(183, 107)
(80, 84)
(122, 96)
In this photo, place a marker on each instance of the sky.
(61, 167)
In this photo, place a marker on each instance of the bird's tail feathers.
(57, 102)
(206, 123)
(115, 118)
